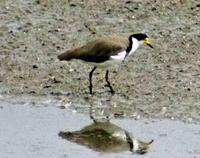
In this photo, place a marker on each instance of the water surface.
(32, 131)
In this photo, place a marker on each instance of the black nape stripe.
(128, 49)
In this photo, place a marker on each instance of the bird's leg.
(90, 79)
(108, 83)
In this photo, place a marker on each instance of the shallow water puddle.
(32, 131)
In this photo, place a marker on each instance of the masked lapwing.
(106, 50)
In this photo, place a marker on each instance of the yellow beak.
(147, 42)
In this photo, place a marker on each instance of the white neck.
(135, 45)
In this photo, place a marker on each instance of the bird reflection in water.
(104, 136)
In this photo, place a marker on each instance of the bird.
(105, 51)
(105, 136)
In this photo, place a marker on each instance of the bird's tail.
(65, 56)
(72, 53)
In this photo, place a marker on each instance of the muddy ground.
(163, 82)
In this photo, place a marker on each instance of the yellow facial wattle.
(147, 42)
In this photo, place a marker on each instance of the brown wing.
(98, 50)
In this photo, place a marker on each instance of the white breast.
(119, 57)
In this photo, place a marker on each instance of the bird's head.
(141, 147)
(142, 39)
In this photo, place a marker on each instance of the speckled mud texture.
(163, 82)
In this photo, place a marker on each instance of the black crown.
(139, 36)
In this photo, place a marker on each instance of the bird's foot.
(111, 89)
(90, 89)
